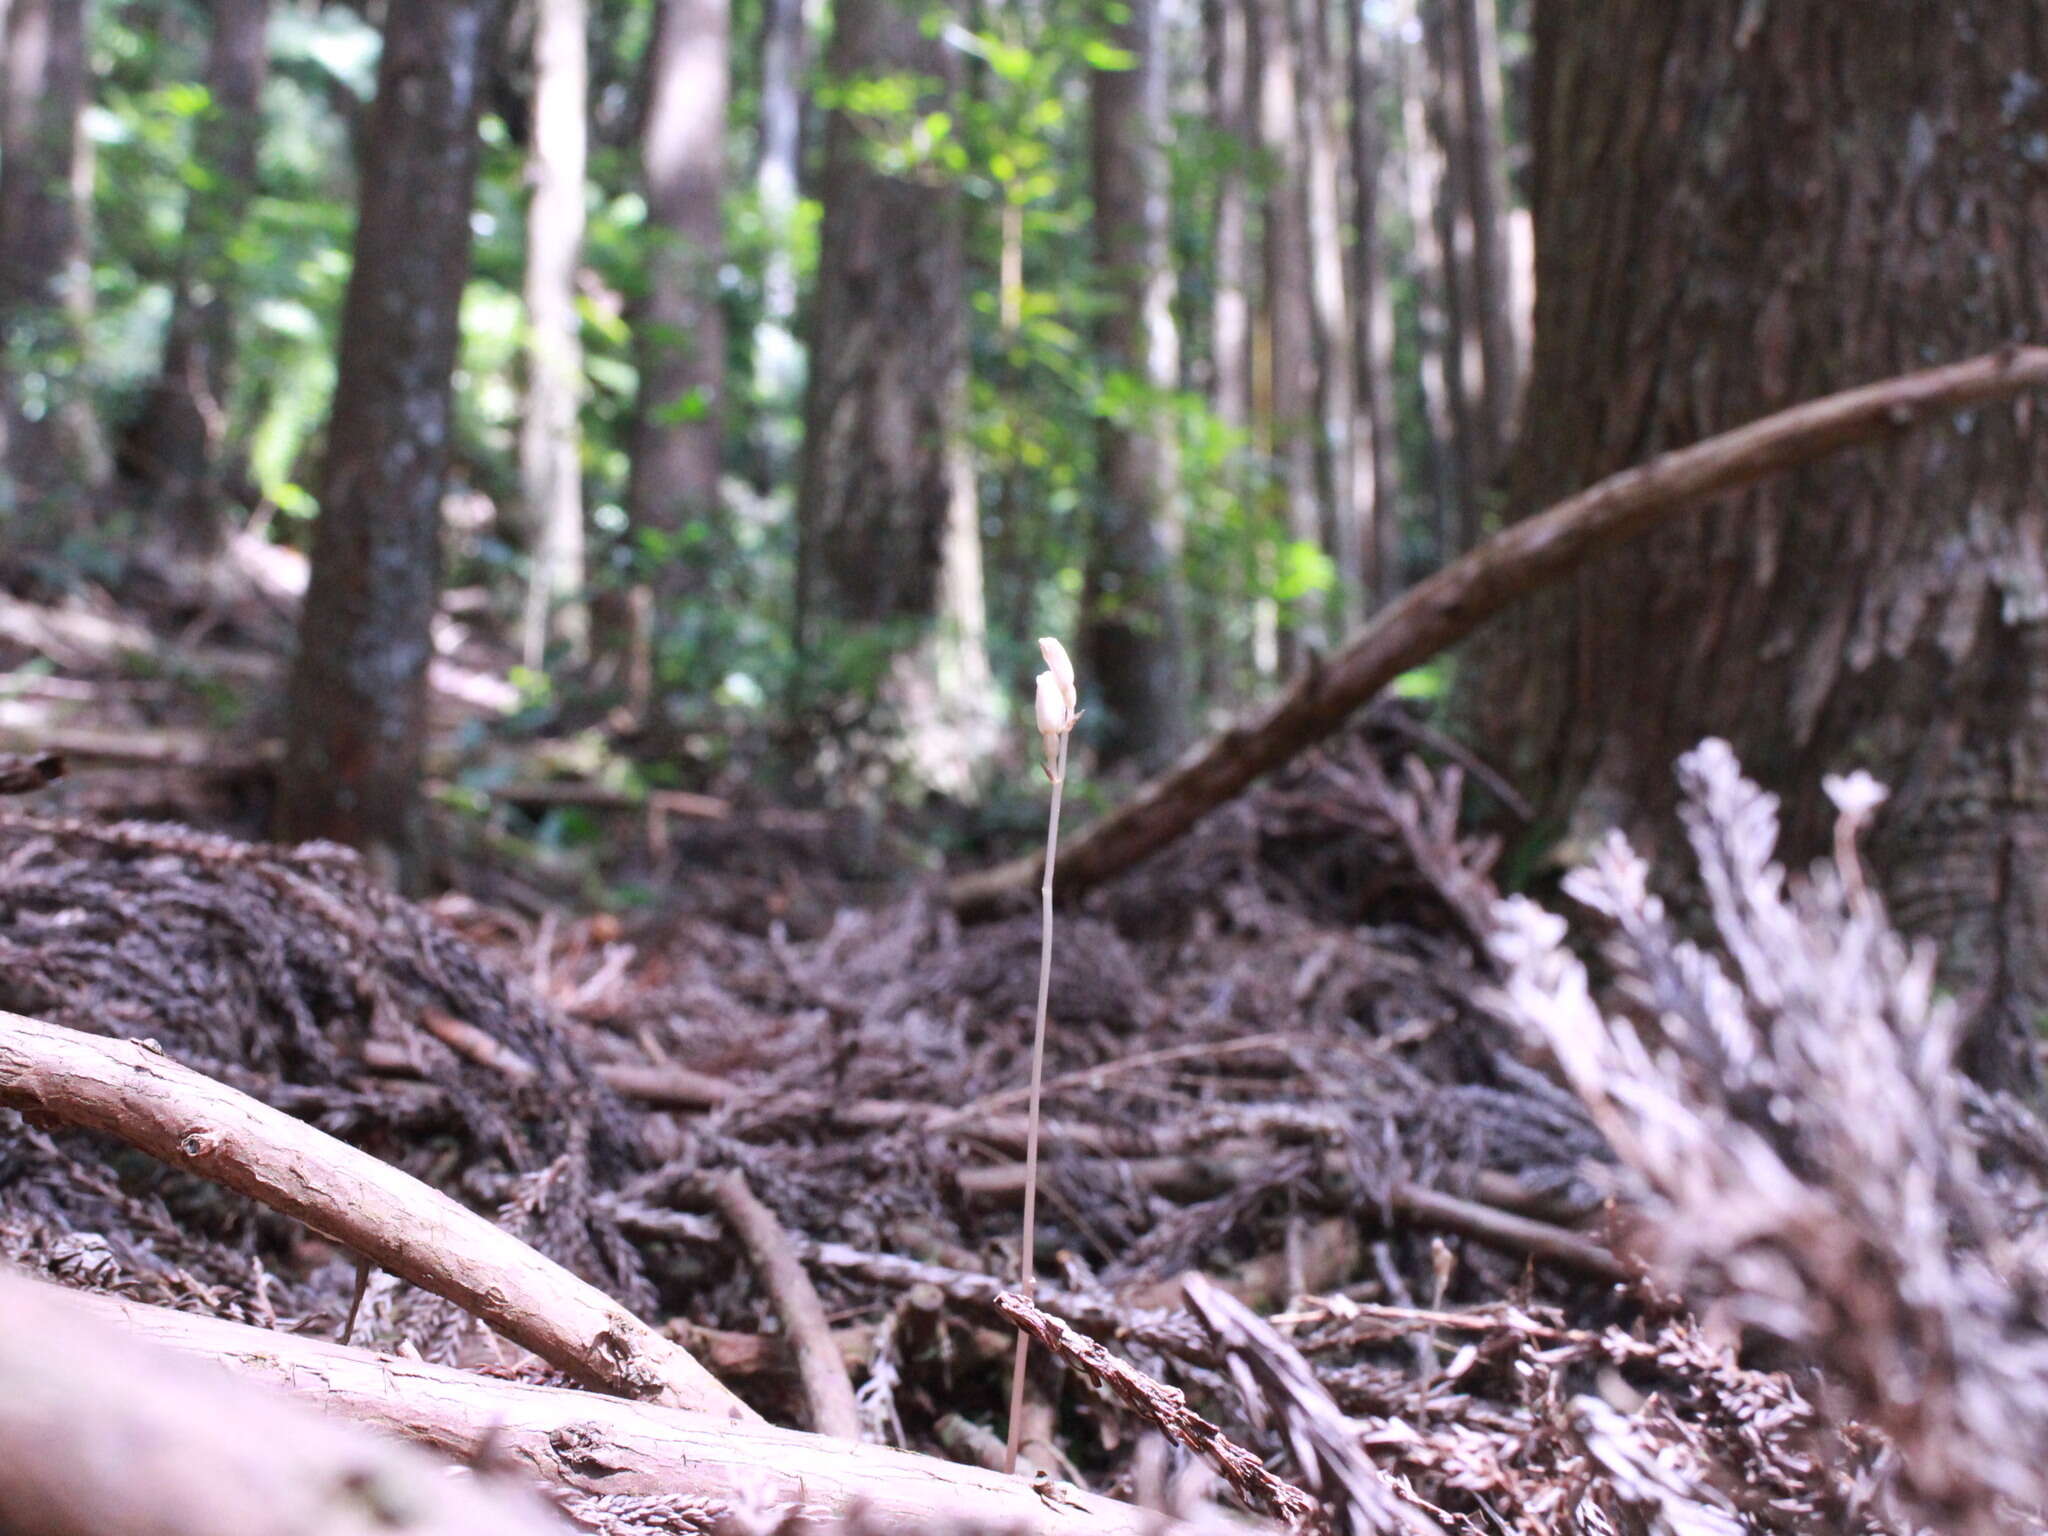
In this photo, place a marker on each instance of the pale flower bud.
(1053, 719)
(1062, 669)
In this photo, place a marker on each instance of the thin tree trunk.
(179, 440)
(50, 456)
(1476, 44)
(1887, 611)
(1230, 307)
(1343, 466)
(1372, 310)
(679, 431)
(1422, 175)
(1227, 66)
(550, 439)
(1464, 369)
(889, 542)
(356, 706)
(778, 359)
(1290, 321)
(1132, 628)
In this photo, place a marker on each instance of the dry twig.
(1166, 1407)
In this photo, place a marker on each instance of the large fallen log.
(603, 1445)
(131, 1090)
(1450, 605)
(105, 1434)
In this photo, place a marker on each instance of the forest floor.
(1276, 1058)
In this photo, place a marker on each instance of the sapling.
(1056, 708)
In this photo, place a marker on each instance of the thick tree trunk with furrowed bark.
(356, 719)
(1888, 610)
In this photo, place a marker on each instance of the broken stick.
(132, 1091)
(1436, 614)
(828, 1391)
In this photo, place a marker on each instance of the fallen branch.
(104, 1434)
(132, 1091)
(828, 1391)
(1167, 1408)
(1529, 554)
(603, 1445)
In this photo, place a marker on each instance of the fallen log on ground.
(105, 1434)
(1450, 605)
(603, 1445)
(129, 1090)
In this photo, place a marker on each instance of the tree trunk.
(1227, 68)
(550, 442)
(1475, 47)
(1230, 308)
(1372, 313)
(678, 436)
(1473, 454)
(778, 359)
(889, 545)
(356, 722)
(49, 451)
(1888, 611)
(1132, 630)
(178, 441)
(1422, 180)
(1290, 322)
(1343, 466)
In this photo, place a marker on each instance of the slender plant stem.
(1028, 1260)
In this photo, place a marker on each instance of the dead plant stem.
(1028, 1258)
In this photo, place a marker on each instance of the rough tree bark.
(1290, 384)
(888, 540)
(550, 441)
(356, 720)
(49, 452)
(1888, 610)
(177, 442)
(1372, 303)
(679, 327)
(1132, 628)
